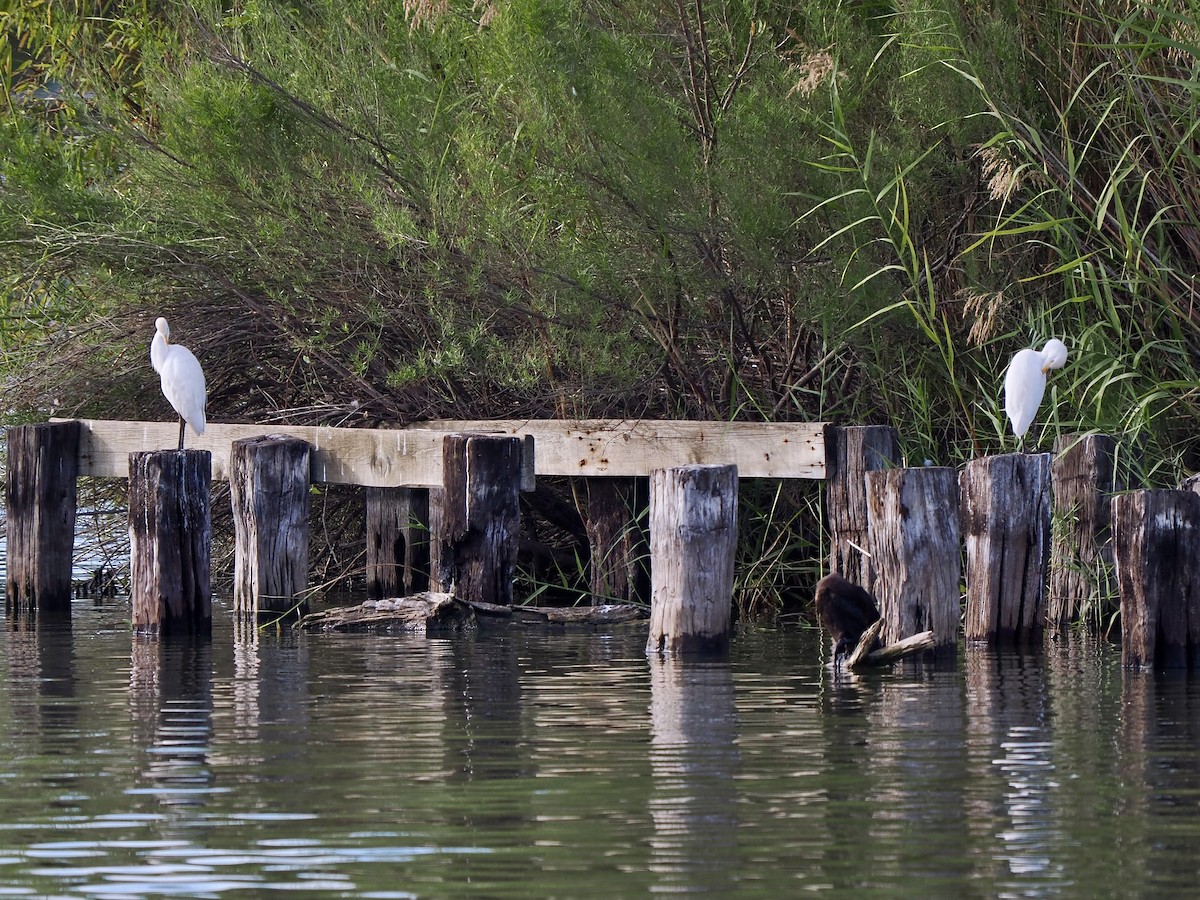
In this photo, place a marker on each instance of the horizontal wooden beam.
(412, 457)
(627, 447)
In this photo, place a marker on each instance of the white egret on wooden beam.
(1025, 383)
(182, 378)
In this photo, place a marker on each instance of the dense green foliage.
(361, 212)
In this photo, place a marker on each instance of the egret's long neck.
(158, 352)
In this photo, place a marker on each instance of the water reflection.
(694, 760)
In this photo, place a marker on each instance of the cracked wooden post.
(1006, 526)
(693, 537)
(916, 552)
(1156, 548)
(850, 452)
(1084, 479)
(480, 517)
(170, 540)
(269, 480)
(40, 499)
(397, 541)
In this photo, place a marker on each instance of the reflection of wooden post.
(849, 454)
(170, 538)
(1006, 524)
(40, 499)
(1084, 480)
(1156, 547)
(914, 545)
(397, 541)
(480, 520)
(693, 536)
(268, 488)
(618, 560)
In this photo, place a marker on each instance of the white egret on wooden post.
(182, 378)
(1025, 383)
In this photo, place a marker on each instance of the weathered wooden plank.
(366, 456)
(618, 565)
(397, 542)
(40, 499)
(412, 457)
(634, 447)
(693, 536)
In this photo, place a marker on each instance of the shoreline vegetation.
(367, 214)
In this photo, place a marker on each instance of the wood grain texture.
(397, 542)
(1006, 526)
(1084, 479)
(40, 499)
(479, 526)
(412, 457)
(170, 540)
(693, 537)
(268, 489)
(915, 551)
(851, 452)
(619, 561)
(1156, 548)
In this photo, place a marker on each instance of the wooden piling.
(693, 537)
(1084, 479)
(1156, 548)
(619, 559)
(397, 542)
(480, 518)
(1006, 525)
(915, 552)
(40, 500)
(170, 539)
(850, 452)
(268, 489)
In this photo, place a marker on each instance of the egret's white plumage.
(1025, 382)
(182, 378)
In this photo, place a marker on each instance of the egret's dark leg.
(181, 432)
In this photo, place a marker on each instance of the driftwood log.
(40, 499)
(864, 657)
(693, 536)
(1084, 476)
(433, 611)
(1006, 526)
(850, 452)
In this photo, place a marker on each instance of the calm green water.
(529, 763)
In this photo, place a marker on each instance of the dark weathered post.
(397, 541)
(170, 539)
(1006, 524)
(693, 537)
(40, 500)
(1084, 477)
(850, 452)
(269, 479)
(915, 552)
(619, 553)
(1156, 547)
(480, 521)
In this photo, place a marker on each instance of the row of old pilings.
(902, 532)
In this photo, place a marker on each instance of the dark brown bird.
(845, 611)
